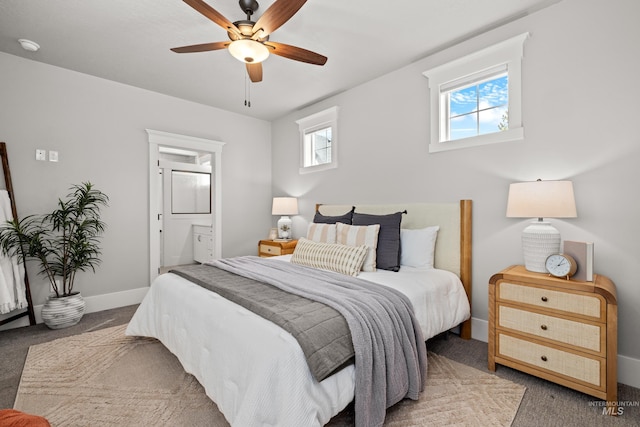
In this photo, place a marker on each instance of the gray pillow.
(388, 251)
(324, 219)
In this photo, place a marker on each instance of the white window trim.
(509, 53)
(314, 122)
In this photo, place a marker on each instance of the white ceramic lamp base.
(284, 227)
(539, 240)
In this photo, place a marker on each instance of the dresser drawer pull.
(543, 327)
(544, 358)
(544, 299)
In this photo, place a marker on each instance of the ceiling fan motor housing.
(248, 6)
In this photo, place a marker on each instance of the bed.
(256, 372)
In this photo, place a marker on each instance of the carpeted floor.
(544, 403)
(105, 378)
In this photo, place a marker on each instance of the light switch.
(53, 156)
(41, 155)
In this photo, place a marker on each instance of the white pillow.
(329, 256)
(418, 246)
(358, 235)
(322, 233)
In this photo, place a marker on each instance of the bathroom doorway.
(191, 168)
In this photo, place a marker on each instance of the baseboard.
(479, 329)
(115, 300)
(93, 304)
(629, 371)
(628, 367)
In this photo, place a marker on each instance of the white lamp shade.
(541, 199)
(284, 206)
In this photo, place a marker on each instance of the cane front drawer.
(585, 336)
(572, 303)
(580, 367)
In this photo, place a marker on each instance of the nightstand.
(564, 331)
(267, 248)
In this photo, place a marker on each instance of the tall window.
(317, 147)
(476, 100)
(318, 136)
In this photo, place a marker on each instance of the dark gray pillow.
(388, 251)
(324, 219)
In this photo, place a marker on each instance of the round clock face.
(561, 265)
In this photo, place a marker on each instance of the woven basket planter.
(62, 312)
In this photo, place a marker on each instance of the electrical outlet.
(41, 155)
(53, 156)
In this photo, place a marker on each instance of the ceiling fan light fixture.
(248, 51)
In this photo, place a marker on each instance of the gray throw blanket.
(321, 331)
(390, 354)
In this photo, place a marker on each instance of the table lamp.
(284, 206)
(540, 199)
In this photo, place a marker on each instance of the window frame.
(324, 119)
(507, 53)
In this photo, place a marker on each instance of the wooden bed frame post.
(465, 259)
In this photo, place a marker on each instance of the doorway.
(185, 193)
(181, 211)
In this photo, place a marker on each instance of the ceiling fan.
(249, 40)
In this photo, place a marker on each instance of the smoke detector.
(29, 45)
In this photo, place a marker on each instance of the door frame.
(166, 139)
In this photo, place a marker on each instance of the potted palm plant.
(64, 242)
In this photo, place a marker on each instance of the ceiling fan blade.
(276, 15)
(255, 72)
(296, 53)
(205, 47)
(213, 15)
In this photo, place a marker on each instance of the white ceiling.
(128, 41)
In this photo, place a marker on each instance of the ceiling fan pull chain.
(247, 92)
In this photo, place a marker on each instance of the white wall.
(580, 116)
(98, 128)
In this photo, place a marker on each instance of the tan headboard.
(453, 245)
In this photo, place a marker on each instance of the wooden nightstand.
(267, 248)
(564, 331)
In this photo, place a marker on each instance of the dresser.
(561, 330)
(267, 248)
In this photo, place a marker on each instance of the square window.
(476, 100)
(478, 108)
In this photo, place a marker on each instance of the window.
(190, 192)
(318, 141)
(476, 100)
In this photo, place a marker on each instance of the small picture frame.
(273, 233)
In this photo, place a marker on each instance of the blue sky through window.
(478, 109)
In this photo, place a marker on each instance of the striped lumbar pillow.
(322, 233)
(358, 235)
(329, 256)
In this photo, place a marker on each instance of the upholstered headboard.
(453, 245)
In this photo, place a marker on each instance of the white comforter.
(254, 370)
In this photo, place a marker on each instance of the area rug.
(104, 378)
